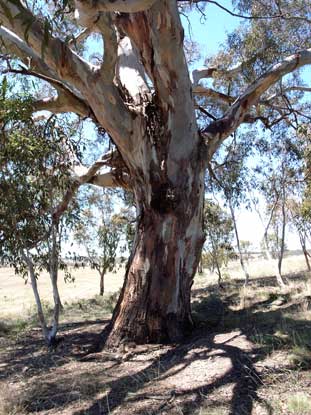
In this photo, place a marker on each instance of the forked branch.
(216, 132)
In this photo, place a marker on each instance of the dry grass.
(257, 268)
(10, 402)
(16, 297)
(251, 354)
(299, 404)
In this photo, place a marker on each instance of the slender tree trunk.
(35, 290)
(102, 283)
(246, 274)
(268, 255)
(57, 308)
(54, 277)
(279, 276)
(304, 248)
(266, 247)
(218, 271)
(200, 266)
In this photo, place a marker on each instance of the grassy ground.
(249, 355)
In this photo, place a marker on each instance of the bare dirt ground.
(249, 355)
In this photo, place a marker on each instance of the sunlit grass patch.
(12, 327)
(299, 404)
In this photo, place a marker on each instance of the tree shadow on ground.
(58, 392)
(149, 380)
(30, 354)
(132, 390)
(242, 373)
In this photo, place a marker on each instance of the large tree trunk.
(166, 164)
(154, 305)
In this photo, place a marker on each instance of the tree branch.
(206, 73)
(60, 104)
(66, 101)
(288, 89)
(89, 175)
(87, 11)
(211, 93)
(75, 73)
(37, 35)
(254, 17)
(31, 60)
(218, 131)
(107, 29)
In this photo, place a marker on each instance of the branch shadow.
(119, 383)
(29, 354)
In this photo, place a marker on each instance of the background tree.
(281, 183)
(218, 228)
(301, 225)
(99, 232)
(140, 92)
(229, 176)
(34, 175)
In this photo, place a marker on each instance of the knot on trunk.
(164, 198)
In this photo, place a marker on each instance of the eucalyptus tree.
(141, 94)
(218, 228)
(100, 232)
(35, 172)
(281, 184)
(299, 208)
(302, 225)
(230, 177)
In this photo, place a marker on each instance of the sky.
(210, 30)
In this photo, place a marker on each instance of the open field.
(250, 353)
(16, 297)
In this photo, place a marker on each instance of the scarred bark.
(154, 305)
